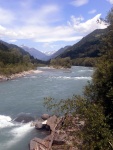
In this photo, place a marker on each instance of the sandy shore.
(18, 75)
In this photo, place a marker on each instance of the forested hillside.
(87, 50)
(59, 52)
(14, 59)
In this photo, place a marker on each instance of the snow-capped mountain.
(48, 53)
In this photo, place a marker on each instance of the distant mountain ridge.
(59, 52)
(36, 53)
(6, 47)
(42, 56)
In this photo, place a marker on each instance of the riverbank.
(26, 95)
(61, 133)
(18, 75)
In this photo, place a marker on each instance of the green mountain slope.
(91, 46)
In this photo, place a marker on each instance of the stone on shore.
(18, 75)
(45, 116)
(59, 138)
(39, 125)
(48, 124)
(52, 122)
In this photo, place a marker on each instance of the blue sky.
(50, 24)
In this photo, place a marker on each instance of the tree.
(102, 83)
(95, 107)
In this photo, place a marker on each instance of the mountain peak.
(35, 53)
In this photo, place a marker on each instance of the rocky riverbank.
(18, 75)
(61, 136)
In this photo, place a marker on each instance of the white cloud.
(110, 1)
(6, 16)
(78, 3)
(41, 16)
(87, 26)
(2, 28)
(2, 31)
(27, 15)
(50, 45)
(74, 30)
(66, 39)
(75, 20)
(92, 11)
(12, 41)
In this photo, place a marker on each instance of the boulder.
(24, 118)
(49, 124)
(38, 125)
(52, 122)
(45, 116)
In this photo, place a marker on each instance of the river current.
(26, 95)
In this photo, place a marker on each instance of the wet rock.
(24, 118)
(39, 125)
(45, 116)
(49, 124)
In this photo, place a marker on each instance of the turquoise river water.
(26, 95)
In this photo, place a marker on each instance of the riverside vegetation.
(95, 107)
(14, 59)
(61, 62)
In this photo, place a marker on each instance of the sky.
(48, 25)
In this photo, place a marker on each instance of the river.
(26, 95)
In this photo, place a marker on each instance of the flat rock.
(39, 144)
(58, 138)
(52, 122)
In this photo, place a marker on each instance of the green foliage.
(91, 46)
(62, 107)
(61, 62)
(87, 61)
(13, 61)
(95, 134)
(101, 89)
(109, 17)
